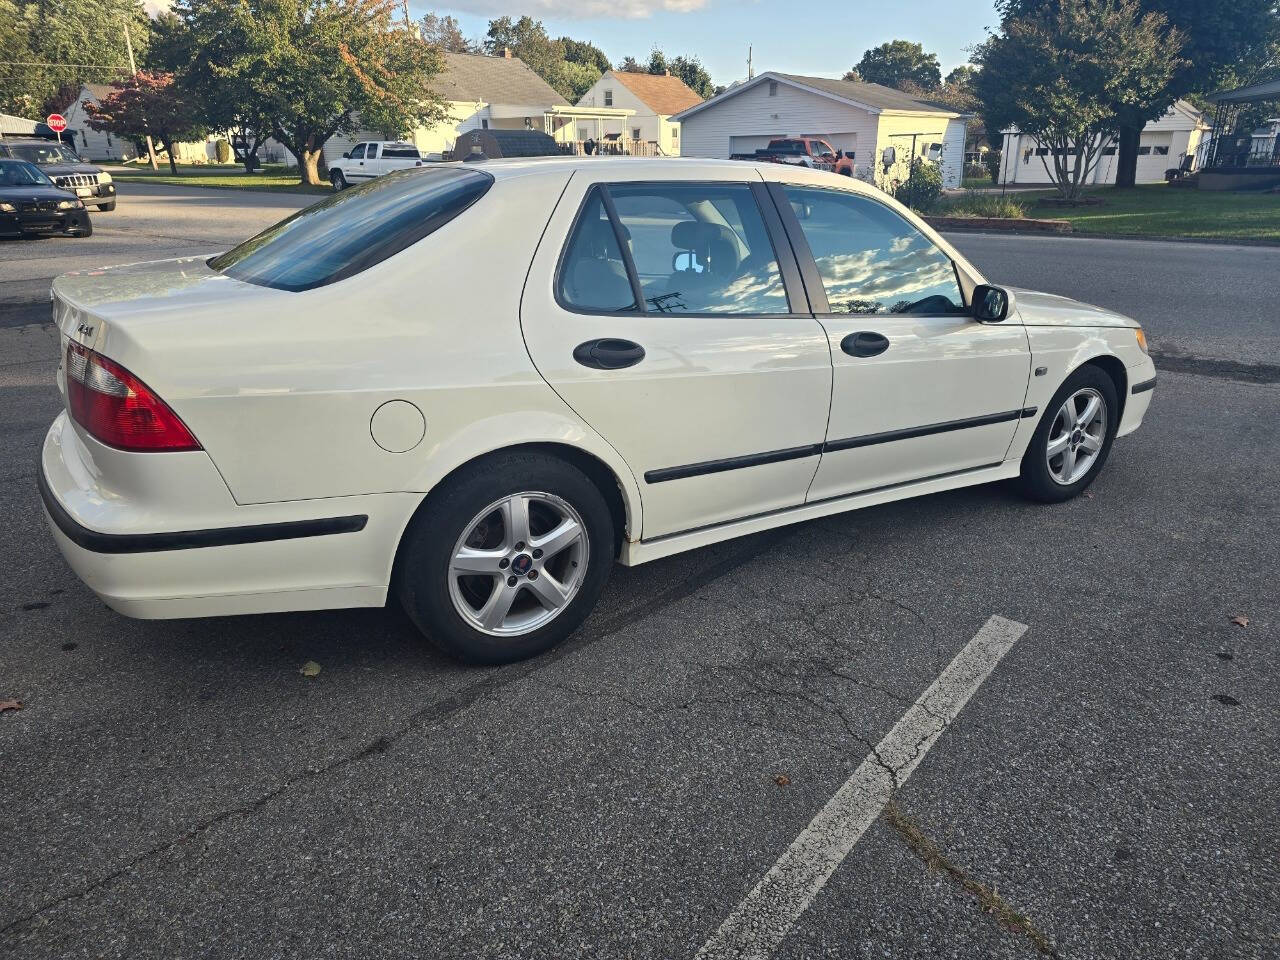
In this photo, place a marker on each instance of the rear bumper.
(183, 548)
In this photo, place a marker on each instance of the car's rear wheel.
(1073, 438)
(338, 180)
(507, 559)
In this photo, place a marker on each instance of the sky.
(818, 37)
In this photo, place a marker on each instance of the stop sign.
(56, 122)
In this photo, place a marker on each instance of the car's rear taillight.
(117, 408)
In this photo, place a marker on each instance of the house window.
(608, 98)
(773, 88)
(1144, 150)
(635, 133)
(484, 124)
(1042, 151)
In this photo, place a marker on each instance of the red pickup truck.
(803, 151)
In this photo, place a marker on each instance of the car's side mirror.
(990, 304)
(347, 155)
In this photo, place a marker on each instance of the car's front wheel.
(1074, 437)
(338, 180)
(507, 558)
(108, 206)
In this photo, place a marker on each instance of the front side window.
(696, 248)
(357, 152)
(871, 260)
(355, 229)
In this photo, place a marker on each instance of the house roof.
(16, 126)
(1268, 90)
(869, 96)
(661, 93)
(98, 91)
(468, 76)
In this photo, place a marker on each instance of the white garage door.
(752, 143)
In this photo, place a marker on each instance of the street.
(1091, 774)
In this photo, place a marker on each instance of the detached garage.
(859, 118)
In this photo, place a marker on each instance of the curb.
(1003, 224)
(1094, 235)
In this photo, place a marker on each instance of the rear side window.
(696, 248)
(353, 230)
(400, 153)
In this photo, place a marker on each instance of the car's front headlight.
(1142, 340)
(104, 177)
(69, 204)
(8, 208)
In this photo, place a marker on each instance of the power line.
(78, 66)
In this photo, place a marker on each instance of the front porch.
(1236, 158)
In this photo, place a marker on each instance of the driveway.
(958, 726)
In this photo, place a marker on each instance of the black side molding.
(731, 463)
(97, 542)
(1144, 386)
(927, 430)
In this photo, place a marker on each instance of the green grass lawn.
(977, 183)
(222, 177)
(1158, 210)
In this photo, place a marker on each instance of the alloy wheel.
(1076, 437)
(518, 564)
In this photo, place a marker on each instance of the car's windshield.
(355, 229)
(19, 173)
(45, 153)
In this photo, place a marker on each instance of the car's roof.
(627, 168)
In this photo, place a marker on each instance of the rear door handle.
(608, 354)
(864, 343)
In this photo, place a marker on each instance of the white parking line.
(755, 929)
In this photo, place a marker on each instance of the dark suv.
(66, 169)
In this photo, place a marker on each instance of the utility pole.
(151, 149)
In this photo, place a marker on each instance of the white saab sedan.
(476, 386)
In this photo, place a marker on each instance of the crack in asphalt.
(1215, 367)
(989, 900)
(436, 712)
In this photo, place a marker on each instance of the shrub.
(222, 150)
(923, 188)
(975, 204)
(992, 161)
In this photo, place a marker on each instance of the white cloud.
(576, 9)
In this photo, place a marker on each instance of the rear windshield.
(389, 152)
(355, 229)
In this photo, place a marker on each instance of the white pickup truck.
(370, 159)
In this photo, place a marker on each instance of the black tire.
(107, 207)
(422, 580)
(338, 179)
(1036, 480)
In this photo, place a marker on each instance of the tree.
(961, 77)
(70, 41)
(149, 102)
(891, 64)
(306, 70)
(1222, 41)
(688, 68)
(445, 33)
(583, 52)
(527, 39)
(1063, 73)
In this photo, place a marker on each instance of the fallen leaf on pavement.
(310, 669)
(782, 780)
(10, 705)
(1240, 620)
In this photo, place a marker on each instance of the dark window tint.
(700, 248)
(872, 260)
(353, 230)
(593, 275)
(357, 152)
(19, 173)
(45, 153)
(400, 153)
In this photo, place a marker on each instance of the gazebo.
(1240, 161)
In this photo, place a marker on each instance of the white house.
(101, 146)
(484, 93)
(862, 119)
(1163, 144)
(654, 98)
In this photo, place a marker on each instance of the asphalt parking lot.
(736, 716)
